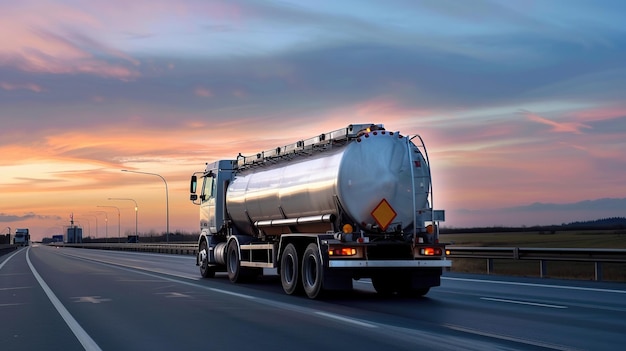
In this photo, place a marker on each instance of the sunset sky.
(519, 102)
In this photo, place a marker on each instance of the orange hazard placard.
(384, 214)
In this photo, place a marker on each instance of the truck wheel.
(289, 270)
(233, 265)
(312, 271)
(420, 292)
(205, 270)
(384, 285)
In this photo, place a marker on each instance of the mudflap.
(337, 279)
(426, 278)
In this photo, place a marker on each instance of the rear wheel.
(203, 259)
(289, 270)
(384, 284)
(419, 292)
(312, 271)
(399, 283)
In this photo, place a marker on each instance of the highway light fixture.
(118, 221)
(167, 205)
(136, 209)
(96, 217)
(106, 225)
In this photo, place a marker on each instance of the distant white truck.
(22, 237)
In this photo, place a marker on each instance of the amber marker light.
(347, 228)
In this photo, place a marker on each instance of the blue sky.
(518, 101)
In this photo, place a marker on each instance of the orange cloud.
(563, 127)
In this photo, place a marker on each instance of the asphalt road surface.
(77, 299)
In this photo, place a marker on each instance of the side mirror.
(193, 197)
(194, 185)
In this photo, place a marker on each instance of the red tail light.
(344, 251)
(431, 251)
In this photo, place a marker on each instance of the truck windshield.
(207, 190)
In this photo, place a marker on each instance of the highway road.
(77, 299)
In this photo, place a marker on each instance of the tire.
(205, 270)
(420, 292)
(233, 265)
(387, 285)
(312, 272)
(289, 271)
(384, 285)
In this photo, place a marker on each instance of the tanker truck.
(323, 212)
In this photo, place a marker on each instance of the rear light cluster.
(431, 251)
(344, 251)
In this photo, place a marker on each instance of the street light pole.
(136, 209)
(167, 204)
(96, 217)
(118, 221)
(106, 225)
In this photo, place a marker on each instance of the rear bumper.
(389, 263)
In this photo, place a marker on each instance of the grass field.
(607, 239)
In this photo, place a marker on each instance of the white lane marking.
(12, 304)
(221, 291)
(345, 319)
(88, 343)
(536, 285)
(522, 302)
(509, 338)
(140, 281)
(174, 294)
(16, 288)
(90, 299)
(10, 257)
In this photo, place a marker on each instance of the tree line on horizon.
(610, 223)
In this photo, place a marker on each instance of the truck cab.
(22, 237)
(214, 181)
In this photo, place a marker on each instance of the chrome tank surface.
(358, 175)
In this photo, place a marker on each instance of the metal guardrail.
(5, 248)
(543, 255)
(175, 248)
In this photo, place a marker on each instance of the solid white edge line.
(535, 285)
(88, 343)
(522, 302)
